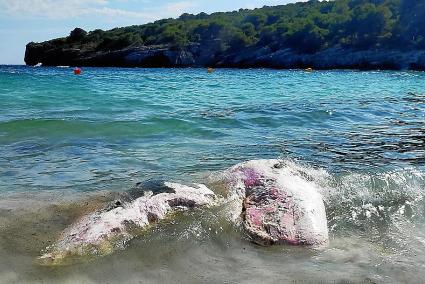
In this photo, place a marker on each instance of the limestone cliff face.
(252, 57)
(153, 56)
(333, 58)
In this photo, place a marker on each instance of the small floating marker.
(309, 69)
(210, 70)
(77, 71)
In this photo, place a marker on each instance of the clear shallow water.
(359, 136)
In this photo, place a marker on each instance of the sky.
(23, 21)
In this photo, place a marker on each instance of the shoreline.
(254, 57)
(217, 68)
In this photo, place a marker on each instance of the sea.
(70, 142)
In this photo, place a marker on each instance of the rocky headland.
(340, 34)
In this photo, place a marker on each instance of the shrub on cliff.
(307, 27)
(77, 34)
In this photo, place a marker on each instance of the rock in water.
(101, 232)
(278, 205)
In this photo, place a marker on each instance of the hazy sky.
(22, 21)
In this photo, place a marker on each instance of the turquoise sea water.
(360, 135)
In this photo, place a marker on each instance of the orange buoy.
(77, 71)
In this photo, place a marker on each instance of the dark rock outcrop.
(252, 57)
(333, 58)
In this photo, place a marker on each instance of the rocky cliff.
(253, 57)
(366, 34)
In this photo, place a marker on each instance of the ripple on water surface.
(358, 136)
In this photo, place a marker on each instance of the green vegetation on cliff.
(307, 27)
(356, 34)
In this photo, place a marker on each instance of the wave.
(386, 208)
